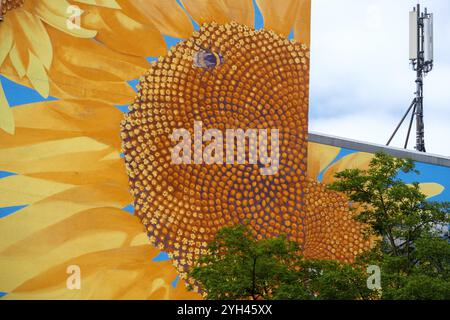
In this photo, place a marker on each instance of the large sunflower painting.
(86, 177)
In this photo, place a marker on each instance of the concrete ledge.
(374, 148)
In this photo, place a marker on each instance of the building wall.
(88, 91)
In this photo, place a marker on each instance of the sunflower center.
(226, 77)
(8, 5)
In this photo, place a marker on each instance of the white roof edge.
(374, 148)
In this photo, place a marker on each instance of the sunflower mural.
(84, 184)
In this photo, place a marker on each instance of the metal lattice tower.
(421, 57)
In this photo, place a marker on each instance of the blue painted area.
(431, 173)
(6, 211)
(4, 174)
(291, 35)
(259, 19)
(122, 155)
(2, 294)
(175, 282)
(123, 108)
(129, 208)
(428, 174)
(152, 59)
(17, 94)
(171, 41)
(163, 256)
(133, 84)
(344, 152)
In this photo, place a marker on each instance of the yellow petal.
(82, 233)
(112, 156)
(359, 160)
(50, 149)
(67, 119)
(302, 26)
(31, 35)
(6, 116)
(77, 168)
(94, 61)
(67, 85)
(80, 68)
(103, 3)
(21, 190)
(241, 11)
(140, 239)
(124, 34)
(279, 15)
(57, 208)
(56, 14)
(431, 189)
(167, 16)
(204, 11)
(319, 157)
(38, 76)
(18, 61)
(125, 273)
(7, 40)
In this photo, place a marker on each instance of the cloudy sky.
(361, 80)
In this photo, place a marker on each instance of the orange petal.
(82, 233)
(241, 11)
(18, 61)
(204, 11)
(112, 4)
(63, 120)
(6, 34)
(279, 15)
(123, 34)
(167, 16)
(319, 157)
(31, 35)
(302, 26)
(6, 116)
(94, 61)
(38, 76)
(21, 190)
(56, 14)
(67, 86)
(125, 273)
(431, 189)
(58, 207)
(359, 160)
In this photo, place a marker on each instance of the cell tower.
(421, 57)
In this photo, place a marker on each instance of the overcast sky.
(361, 80)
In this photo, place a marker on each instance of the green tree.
(414, 259)
(410, 251)
(240, 267)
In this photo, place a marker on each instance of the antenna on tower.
(421, 57)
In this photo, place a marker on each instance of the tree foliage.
(412, 254)
(240, 267)
(413, 257)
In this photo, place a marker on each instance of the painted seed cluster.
(263, 84)
(8, 5)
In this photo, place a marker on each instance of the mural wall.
(94, 98)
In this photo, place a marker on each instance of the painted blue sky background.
(361, 81)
